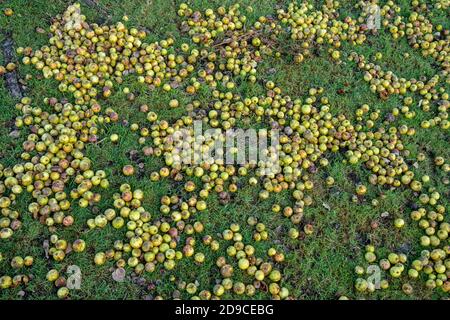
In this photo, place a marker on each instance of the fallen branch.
(11, 77)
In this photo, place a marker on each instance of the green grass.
(319, 266)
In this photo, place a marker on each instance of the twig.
(243, 36)
(100, 141)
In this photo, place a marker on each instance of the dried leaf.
(14, 134)
(46, 246)
(119, 275)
